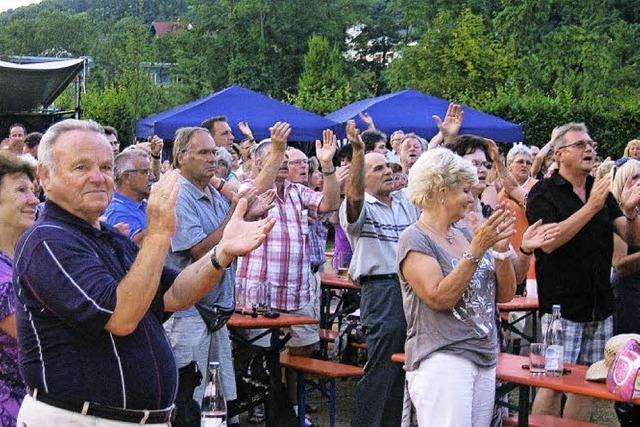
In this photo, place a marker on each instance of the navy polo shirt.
(65, 277)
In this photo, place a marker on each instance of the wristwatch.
(214, 260)
(221, 185)
(501, 256)
(468, 255)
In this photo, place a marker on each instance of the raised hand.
(365, 117)
(241, 237)
(155, 145)
(494, 151)
(538, 234)
(280, 132)
(353, 135)
(161, 204)
(450, 127)
(327, 149)
(245, 129)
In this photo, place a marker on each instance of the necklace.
(449, 237)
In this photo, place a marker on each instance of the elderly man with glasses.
(573, 270)
(132, 176)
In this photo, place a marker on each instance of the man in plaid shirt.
(283, 261)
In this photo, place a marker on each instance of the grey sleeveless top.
(469, 329)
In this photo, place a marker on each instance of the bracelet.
(221, 185)
(329, 173)
(525, 252)
(468, 255)
(155, 157)
(213, 257)
(501, 256)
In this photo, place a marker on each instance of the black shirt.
(577, 274)
(65, 276)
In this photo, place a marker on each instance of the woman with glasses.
(519, 160)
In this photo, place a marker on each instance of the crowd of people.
(118, 270)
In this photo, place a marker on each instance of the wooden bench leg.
(332, 402)
(302, 399)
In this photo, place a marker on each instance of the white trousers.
(37, 414)
(449, 390)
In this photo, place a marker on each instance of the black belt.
(158, 416)
(375, 277)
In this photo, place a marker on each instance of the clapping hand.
(495, 231)
(630, 196)
(600, 191)
(538, 234)
(161, 204)
(241, 237)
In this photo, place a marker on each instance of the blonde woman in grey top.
(450, 285)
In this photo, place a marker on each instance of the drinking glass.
(536, 358)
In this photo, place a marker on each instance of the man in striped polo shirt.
(373, 217)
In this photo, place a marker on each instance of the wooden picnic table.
(273, 326)
(530, 308)
(509, 370)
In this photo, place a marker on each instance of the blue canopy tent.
(238, 104)
(411, 111)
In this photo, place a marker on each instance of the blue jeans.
(379, 394)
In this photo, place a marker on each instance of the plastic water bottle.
(214, 407)
(554, 338)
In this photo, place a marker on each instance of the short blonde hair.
(435, 169)
(629, 145)
(631, 167)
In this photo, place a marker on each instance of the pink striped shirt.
(283, 260)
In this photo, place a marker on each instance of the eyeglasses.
(581, 145)
(299, 162)
(486, 163)
(523, 162)
(145, 171)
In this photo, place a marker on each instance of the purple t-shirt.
(12, 389)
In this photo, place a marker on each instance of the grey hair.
(516, 150)
(561, 131)
(50, 137)
(124, 162)
(435, 169)
(183, 140)
(261, 149)
(223, 154)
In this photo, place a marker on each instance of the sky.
(13, 4)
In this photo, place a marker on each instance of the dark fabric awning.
(29, 87)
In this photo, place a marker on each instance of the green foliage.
(456, 59)
(323, 85)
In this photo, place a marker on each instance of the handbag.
(623, 377)
(214, 317)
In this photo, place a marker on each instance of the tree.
(456, 59)
(323, 85)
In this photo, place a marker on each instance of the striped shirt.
(65, 277)
(283, 260)
(374, 235)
